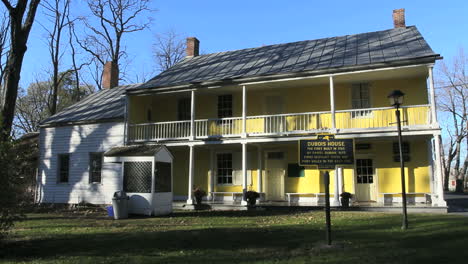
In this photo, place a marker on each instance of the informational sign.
(326, 152)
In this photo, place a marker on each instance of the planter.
(345, 202)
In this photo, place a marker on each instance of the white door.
(365, 180)
(274, 189)
(274, 106)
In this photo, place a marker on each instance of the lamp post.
(396, 100)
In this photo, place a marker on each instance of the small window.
(183, 109)
(63, 167)
(364, 171)
(360, 99)
(275, 155)
(294, 170)
(405, 147)
(149, 116)
(225, 106)
(363, 146)
(95, 167)
(224, 168)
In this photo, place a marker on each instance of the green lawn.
(238, 237)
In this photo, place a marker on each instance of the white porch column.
(244, 112)
(259, 169)
(244, 171)
(336, 192)
(432, 94)
(191, 173)
(192, 115)
(212, 174)
(438, 177)
(340, 180)
(332, 103)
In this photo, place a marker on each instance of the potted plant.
(198, 193)
(345, 197)
(251, 197)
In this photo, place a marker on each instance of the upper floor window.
(225, 106)
(183, 109)
(360, 99)
(63, 161)
(95, 167)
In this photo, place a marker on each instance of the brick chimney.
(399, 18)
(193, 47)
(110, 75)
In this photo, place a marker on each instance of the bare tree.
(57, 12)
(168, 49)
(20, 28)
(4, 26)
(114, 19)
(453, 102)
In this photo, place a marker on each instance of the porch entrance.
(274, 178)
(365, 181)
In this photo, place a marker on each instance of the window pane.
(64, 166)
(95, 167)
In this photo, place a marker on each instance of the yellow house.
(232, 120)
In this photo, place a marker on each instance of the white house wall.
(79, 141)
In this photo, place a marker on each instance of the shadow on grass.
(363, 239)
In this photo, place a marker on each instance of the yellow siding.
(387, 172)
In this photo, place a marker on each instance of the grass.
(238, 237)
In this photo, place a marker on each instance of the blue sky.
(229, 25)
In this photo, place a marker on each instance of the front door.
(275, 171)
(365, 180)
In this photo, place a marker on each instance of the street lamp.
(396, 100)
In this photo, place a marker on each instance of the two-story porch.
(232, 138)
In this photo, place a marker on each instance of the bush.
(199, 193)
(251, 197)
(12, 198)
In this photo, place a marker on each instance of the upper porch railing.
(282, 124)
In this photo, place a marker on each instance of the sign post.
(325, 152)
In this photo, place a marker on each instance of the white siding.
(79, 141)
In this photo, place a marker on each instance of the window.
(405, 147)
(365, 171)
(294, 170)
(95, 167)
(225, 106)
(360, 99)
(149, 116)
(162, 180)
(63, 167)
(224, 168)
(183, 109)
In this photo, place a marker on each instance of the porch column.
(336, 192)
(127, 110)
(259, 169)
(340, 180)
(212, 173)
(332, 103)
(438, 177)
(432, 94)
(191, 173)
(244, 172)
(192, 115)
(244, 112)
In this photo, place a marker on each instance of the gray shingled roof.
(106, 104)
(373, 48)
(132, 151)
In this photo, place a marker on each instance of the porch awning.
(133, 151)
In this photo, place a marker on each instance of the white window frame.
(364, 113)
(217, 168)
